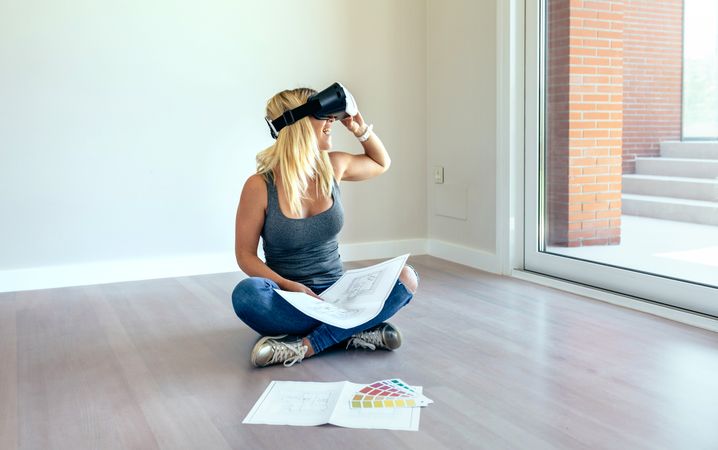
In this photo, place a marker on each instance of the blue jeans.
(267, 313)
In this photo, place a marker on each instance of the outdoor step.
(679, 187)
(678, 167)
(669, 208)
(689, 149)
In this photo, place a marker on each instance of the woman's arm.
(373, 162)
(248, 227)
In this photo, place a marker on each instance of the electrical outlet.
(438, 175)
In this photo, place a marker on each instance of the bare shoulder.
(256, 182)
(255, 191)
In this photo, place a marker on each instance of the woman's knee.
(410, 279)
(250, 294)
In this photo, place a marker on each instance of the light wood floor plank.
(165, 364)
(8, 372)
(70, 391)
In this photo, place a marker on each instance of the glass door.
(615, 197)
(700, 70)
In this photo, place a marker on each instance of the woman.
(294, 203)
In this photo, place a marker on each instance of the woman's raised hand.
(355, 124)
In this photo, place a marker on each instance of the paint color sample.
(392, 393)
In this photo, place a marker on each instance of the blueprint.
(310, 404)
(356, 298)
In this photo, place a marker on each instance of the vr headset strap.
(291, 116)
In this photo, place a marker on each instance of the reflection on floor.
(663, 247)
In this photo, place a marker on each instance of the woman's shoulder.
(256, 180)
(256, 187)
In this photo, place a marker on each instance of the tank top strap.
(272, 194)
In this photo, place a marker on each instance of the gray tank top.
(303, 250)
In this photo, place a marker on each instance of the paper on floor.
(309, 404)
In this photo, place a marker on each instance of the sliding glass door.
(700, 70)
(616, 198)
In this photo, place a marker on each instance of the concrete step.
(679, 187)
(678, 167)
(690, 149)
(668, 208)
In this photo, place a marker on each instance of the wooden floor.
(165, 364)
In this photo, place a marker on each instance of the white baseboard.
(147, 269)
(625, 301)
(114, 271)
(478, 259)
(382, 249)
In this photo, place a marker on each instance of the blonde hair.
(296, 152)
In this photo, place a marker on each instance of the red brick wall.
(584, 121)
(652, 70)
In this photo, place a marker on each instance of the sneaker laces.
(367, 339)
(287, 353)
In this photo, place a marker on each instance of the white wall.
(128, 128)
(461, 130)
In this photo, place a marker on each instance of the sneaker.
(270, 350)
(416, 274)
(385, 336)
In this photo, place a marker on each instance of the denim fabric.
(267, 313)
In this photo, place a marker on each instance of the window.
(700, 89)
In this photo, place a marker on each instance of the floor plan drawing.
(355, 298)
(364, 285)
(306, 401)
(301, 403)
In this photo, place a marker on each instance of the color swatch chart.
(393, 393)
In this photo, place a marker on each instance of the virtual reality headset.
(334, 101)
